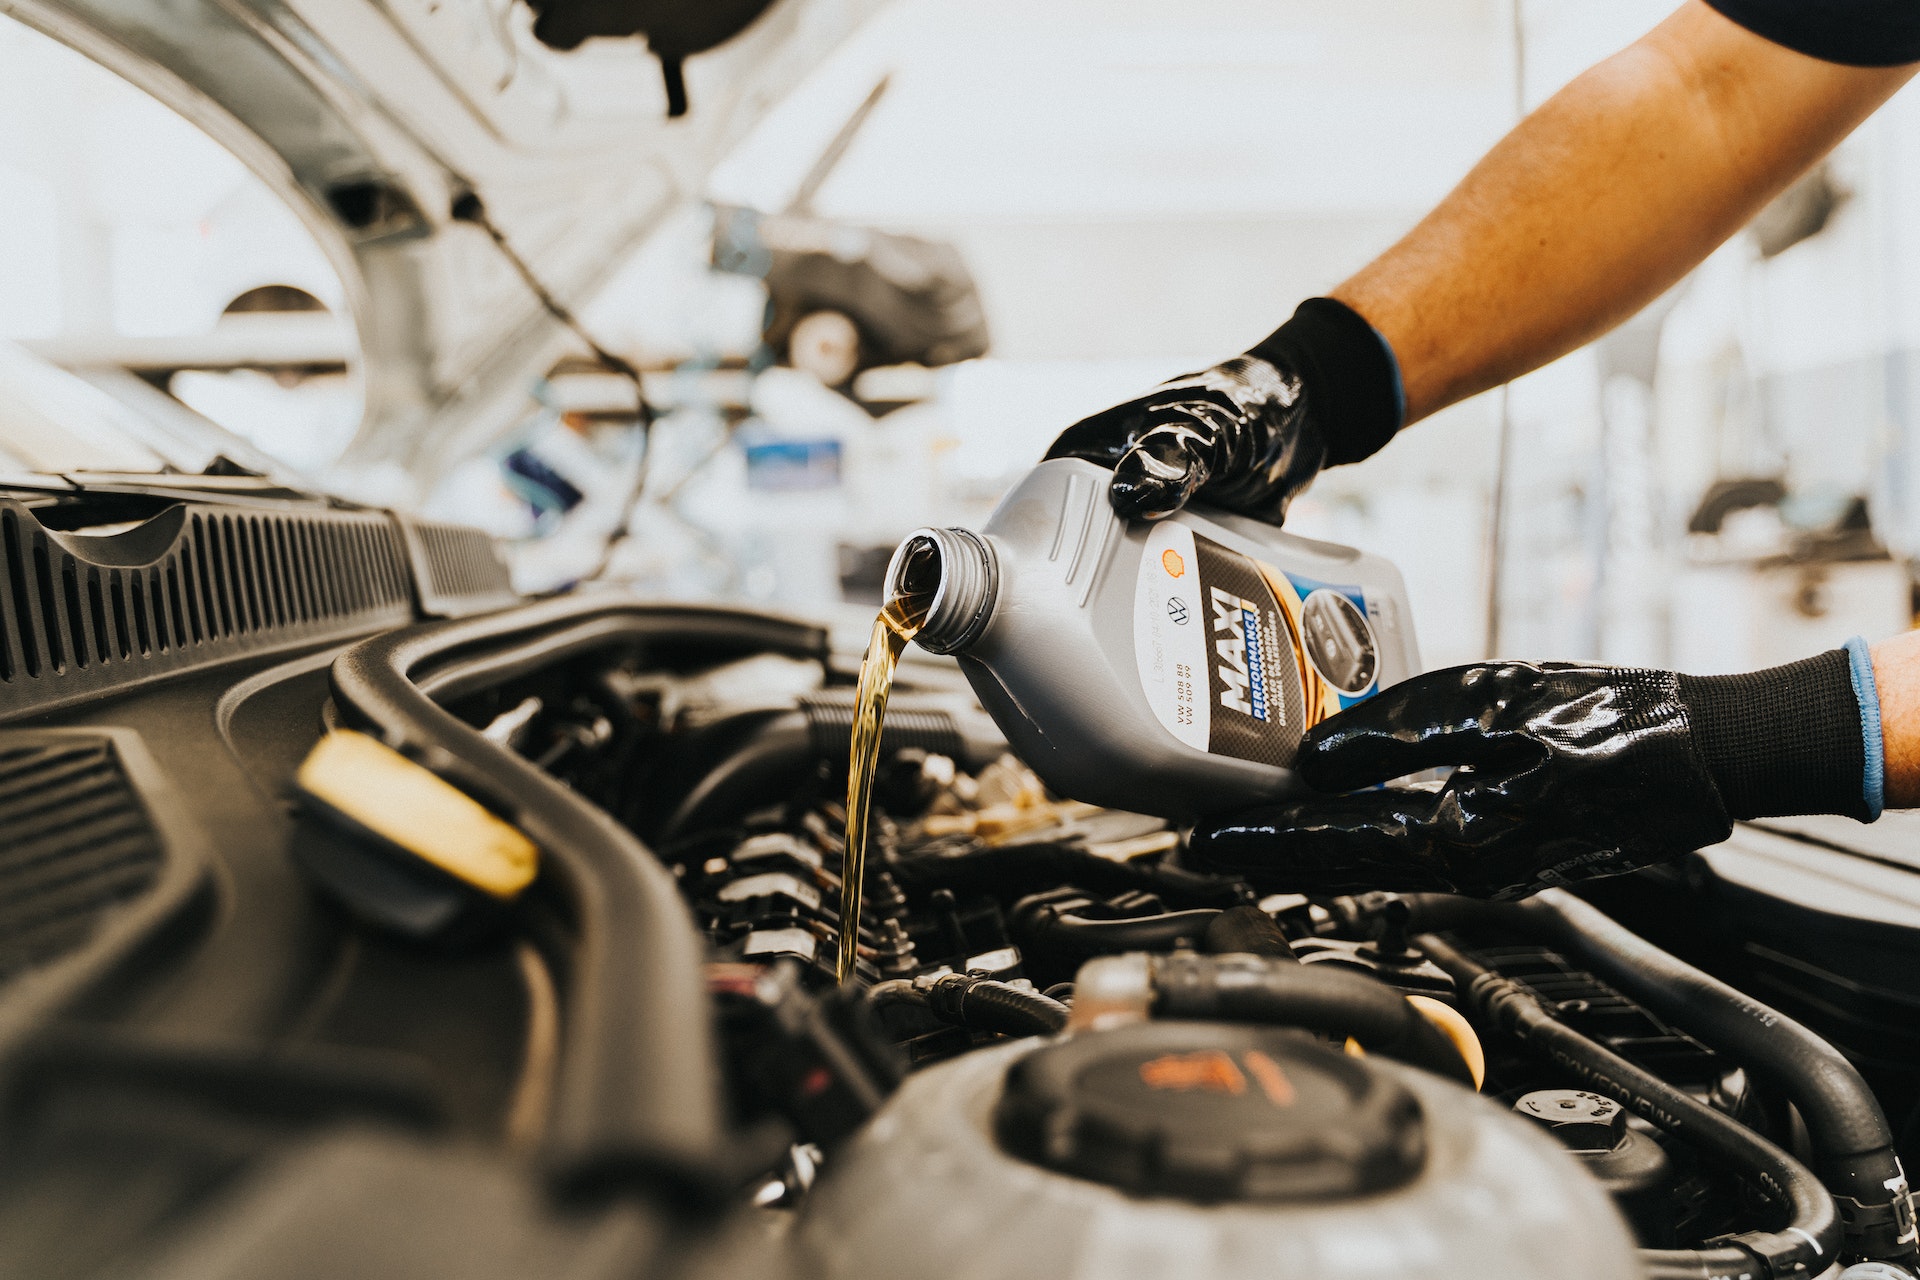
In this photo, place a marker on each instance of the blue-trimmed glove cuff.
(1789, 740)
(1872, 739)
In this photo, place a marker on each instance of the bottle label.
(1240, 658)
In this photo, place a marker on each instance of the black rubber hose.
(995, 1006)
(756, 757)
(895, 991)
(980, 1004)
(1853, 1145)
(1316, 997)
(1246, 930)
(1806, 1245)
(1445, 912)
(768, 755)
(1076, 934)
(635, 1099)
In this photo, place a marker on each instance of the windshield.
(137, 243)
(53, 421)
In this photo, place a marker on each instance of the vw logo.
(1177, 610)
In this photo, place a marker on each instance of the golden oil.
(897, 624)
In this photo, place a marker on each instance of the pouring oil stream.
(911, 596)
(897, 624)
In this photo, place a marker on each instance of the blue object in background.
(550, 494)
(793, 466)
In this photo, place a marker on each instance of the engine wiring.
(469, 208)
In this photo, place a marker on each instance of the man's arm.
(1604, 197)
(1588, 210)
(1896, 670)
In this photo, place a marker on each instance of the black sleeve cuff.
(1857, 33)
(1782, 741)
(1352, 381)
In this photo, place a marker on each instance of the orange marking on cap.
(1272, 1080)
(1170, 561)
(1209, 1070)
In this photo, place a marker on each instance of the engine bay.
(272, 1046)
(372, 907)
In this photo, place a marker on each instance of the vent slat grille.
(78, 845)
(459, 570)
(52, 801)
(89, 851)
(43, 579)
(25, 625)
(224, 583)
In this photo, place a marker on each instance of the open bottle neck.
(947, 580)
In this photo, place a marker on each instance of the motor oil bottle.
(1168, 668)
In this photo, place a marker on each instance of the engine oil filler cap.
(398, 845)
(1212, 1112)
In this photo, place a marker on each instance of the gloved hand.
(1562, 773)
(1250, 433)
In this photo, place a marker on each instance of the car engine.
(257, 1020)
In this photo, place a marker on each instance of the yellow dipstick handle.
(374, 787)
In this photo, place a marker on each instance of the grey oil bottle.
(1166, 668)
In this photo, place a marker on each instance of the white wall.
(1162, 182)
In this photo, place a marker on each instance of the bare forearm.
(1603, 198)
(1896, 670)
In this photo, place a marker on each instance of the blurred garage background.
(982, 219)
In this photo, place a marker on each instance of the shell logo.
(1170, 561)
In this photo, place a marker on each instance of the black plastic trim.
(457, 571)
(125, 932)
(82, 616)
(636, 1100)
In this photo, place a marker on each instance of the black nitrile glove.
(1564, 772)
(1250, 433)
